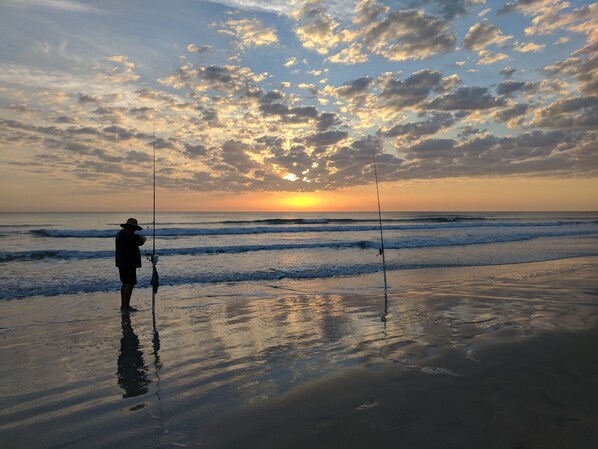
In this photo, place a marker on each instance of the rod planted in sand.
(380, 221)
(154, 258)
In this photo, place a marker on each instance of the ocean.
(273, 330)
(49, 254)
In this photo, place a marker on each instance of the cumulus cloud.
(553, 15)
(318, 30)
(519, 5)
(582, 69)
(569, 113)
(530, 47)
(350, 55)
(510, 87)
(448, 9)
(512, 115)
(465, 99)
(367, 11)
(290, 62)
(200, 49)
(507, 72)
(228, 78)
(404, 35)
(195, 151)
(483, 34)
(487, 57)
(434, 122)
(326, 138)
(413, 90)
(249, 33)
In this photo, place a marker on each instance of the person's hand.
(141, 239)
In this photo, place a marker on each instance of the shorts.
(128, 275)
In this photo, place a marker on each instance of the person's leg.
(128, 277)
(126, 291)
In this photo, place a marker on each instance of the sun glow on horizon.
(301, 201)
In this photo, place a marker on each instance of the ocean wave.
(308, 221)
(248, 230)
(54, 287)
(390, 244)
(324, 220)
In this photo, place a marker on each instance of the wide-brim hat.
(133, 223)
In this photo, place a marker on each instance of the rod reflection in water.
(132, 372)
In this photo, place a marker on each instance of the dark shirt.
(127, 253)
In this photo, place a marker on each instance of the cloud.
(351, 164)
(434, 122)
(234, 153)
(465, 99)
(483, 34)
(519, 5)
(326, 138)
(354, 88)
(121, 70)
(227, 127)
(368, 11)
(448, 9)
(509, 87)
(317, 30)
(248, 33)
(85, 99)
(350, 55)
(230, 79)
(569, 113)
(432, 149)
(507, 72)
(405, 35)
(63, 5)
(530, 47)
(274, 6)
(413, 90)
(200, 49)
(195, 151)
(581, 68)
(290, 62)
(512, 115)
(553, 15)
(490, 58)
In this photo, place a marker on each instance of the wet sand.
(492, 357)
(540, 392)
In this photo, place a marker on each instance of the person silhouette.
(128, 259)
(132, 372)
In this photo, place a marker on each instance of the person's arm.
(140, 239)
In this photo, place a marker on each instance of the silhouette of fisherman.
(128, 259)
(132, 372)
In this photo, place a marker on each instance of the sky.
(282, 105)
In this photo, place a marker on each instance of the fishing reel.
(153, 258)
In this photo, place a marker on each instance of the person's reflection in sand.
(132, 372)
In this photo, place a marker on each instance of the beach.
(478, 356)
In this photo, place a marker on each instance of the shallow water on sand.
(78, 374)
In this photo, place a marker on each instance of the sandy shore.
(492, 357)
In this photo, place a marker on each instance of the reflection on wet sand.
(132, 372)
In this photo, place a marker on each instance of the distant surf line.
(180, 232)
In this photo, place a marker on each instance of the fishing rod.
(155, 282)
(381, 252)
